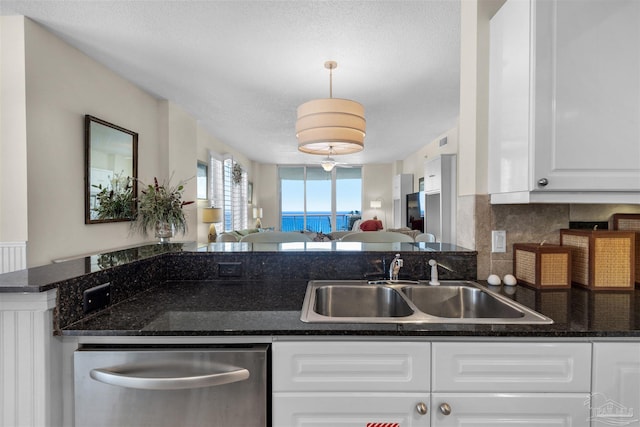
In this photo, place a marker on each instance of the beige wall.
(42, 139)
(414, 163)
(13, 129)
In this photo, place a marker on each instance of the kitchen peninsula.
(235, 293)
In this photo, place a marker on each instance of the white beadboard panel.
(13, 256)
(351, 366)
(28, 367)
(511, 367)
(511, 410)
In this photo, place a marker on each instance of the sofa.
(236, 235)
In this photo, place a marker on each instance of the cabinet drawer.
(512, 367)
(351, 366)
(516, 409)
(349, 409)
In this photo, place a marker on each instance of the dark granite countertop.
(215, 308)
(47, 277)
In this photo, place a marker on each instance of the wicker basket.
(542, 266)
(628, 222)
(601, 259)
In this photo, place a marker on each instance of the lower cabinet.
(406, 384)
(615, 397)
(509, 409)
(363, 384)
(350, 409)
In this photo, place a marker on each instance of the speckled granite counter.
(179, 289)
(209, 308)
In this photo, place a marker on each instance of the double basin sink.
(393, 301)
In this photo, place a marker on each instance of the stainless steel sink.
(372, 301)
(386, 301)
(459, 302)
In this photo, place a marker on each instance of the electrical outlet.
(229, 269)
(498, 241)
(96, 298)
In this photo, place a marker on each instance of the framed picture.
(250, 193)
(421, 184)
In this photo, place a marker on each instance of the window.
(235, 195)
(315, 200)
(229, 192)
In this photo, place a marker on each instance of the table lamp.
(212, 216)
(257, 215)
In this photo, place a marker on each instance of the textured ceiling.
(242, 67)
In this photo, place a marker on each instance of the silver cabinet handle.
(543, 182)
(166, 376)
(421, 408)
(445, 408)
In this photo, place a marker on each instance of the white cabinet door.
(616, 384)
(587, 123)
(564, 104)
(433, 175)
(349, 410)
(351, 366)
(509, 410)
(511, 367)
(441, 195)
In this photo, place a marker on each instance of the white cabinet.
(457, 383)
(441, 192)
(616, 384)
(509, 384)
(402, 185)
(564, 110)
(350, 383)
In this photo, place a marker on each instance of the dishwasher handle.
(162, 377)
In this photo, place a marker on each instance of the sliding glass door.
(314, 200)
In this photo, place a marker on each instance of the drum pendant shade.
(330, 125)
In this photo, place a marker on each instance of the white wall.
(414, 163)
(377, 183)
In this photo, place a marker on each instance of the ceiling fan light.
(328, 164)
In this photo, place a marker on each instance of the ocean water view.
(319, 222)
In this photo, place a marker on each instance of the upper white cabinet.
(441, 193)
(564, 115)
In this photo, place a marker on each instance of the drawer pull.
(421, 408)
(445, 408)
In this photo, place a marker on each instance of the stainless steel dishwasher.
(122, 386)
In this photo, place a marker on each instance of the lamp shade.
(375, 204)
(211, 215)
(257, 212)
(330, 126)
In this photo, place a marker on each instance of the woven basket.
(542, 266)
(601, 259)
(629, 222)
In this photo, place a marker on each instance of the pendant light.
(330, 125)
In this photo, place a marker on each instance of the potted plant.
(160, 209)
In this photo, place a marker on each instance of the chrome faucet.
(434, 273)
(394, 267)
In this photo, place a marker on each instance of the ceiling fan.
(328, 163)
